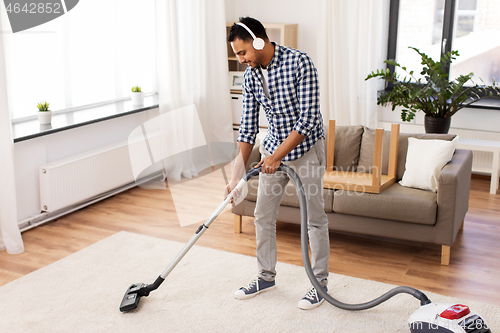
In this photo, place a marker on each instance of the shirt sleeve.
(308, 95)
(250, 118)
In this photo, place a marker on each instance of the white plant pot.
(138, 98)
(44, 117)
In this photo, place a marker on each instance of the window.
(94, 53)
(477, 39)
(436, 26)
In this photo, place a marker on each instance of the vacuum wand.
(133, 294)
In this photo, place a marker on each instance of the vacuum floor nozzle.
(132, 297)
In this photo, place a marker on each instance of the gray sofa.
(398, 212)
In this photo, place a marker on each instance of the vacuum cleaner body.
(446, 318)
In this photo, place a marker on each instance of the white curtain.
(193, 71)
(10, 236)
(350, 40)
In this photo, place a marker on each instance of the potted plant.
(434, 94)
(44, 114)
(137, 96)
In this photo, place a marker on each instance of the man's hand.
(269, 164)
(229, 187)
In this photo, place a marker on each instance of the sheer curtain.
(10, 236)
(193, 72)
(351, 39)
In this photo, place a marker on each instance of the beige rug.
(82, 293)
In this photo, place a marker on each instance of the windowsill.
(30, 129)
(489, 103)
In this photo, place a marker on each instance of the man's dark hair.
(238, 32)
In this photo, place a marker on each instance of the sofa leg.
(445, 255)
(238, 219)
(462, 226)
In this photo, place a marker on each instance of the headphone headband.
(258, 43)
(247, 29)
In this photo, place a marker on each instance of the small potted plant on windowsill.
(44, 114)
(137, 96)
(434, 94)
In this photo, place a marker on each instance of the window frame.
(446, 44)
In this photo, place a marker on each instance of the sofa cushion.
(347, 145)
(365, 163)
(368, 143)
(396, 203)
(290, 198)
(403, 146)
(424, 161)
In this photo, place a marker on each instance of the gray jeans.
(310, 169)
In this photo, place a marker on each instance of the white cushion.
(424, 161)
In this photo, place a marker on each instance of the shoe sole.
(311, 306)
(247, 296)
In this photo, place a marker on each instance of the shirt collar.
(275, 59)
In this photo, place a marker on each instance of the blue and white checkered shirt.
(293, 103)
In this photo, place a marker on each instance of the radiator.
(84, 176)
(481, 161)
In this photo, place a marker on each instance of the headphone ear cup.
(258, 43)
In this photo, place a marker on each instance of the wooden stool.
(360, 181)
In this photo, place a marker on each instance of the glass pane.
(477, 39)
(420, 25)
(73, 60)
(33, 68)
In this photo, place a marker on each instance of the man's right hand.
(228, 188)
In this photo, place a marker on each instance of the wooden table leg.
(238, 219)
(445, 255)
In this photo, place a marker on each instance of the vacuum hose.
(304, 239)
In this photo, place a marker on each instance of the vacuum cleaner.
(430, 317)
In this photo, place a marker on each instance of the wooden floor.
(474, 272)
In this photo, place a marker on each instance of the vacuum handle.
(251, 173)
(256, 171)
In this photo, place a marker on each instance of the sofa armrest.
(453, 196)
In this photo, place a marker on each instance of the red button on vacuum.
(456, 311)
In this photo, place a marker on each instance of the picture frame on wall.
(236, 80)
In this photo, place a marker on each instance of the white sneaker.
(255, 287)
(312, 299)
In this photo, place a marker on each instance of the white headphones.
(258, 43)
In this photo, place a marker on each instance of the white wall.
(30, 154)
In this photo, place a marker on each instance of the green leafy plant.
(136, 89)
(43, 106)
(436, 96)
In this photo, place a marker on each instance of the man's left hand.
(269, 164)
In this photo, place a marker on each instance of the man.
(284, 82)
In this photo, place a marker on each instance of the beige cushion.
(347, 145)
(290, 198)
(365, 163)
(397, 203)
